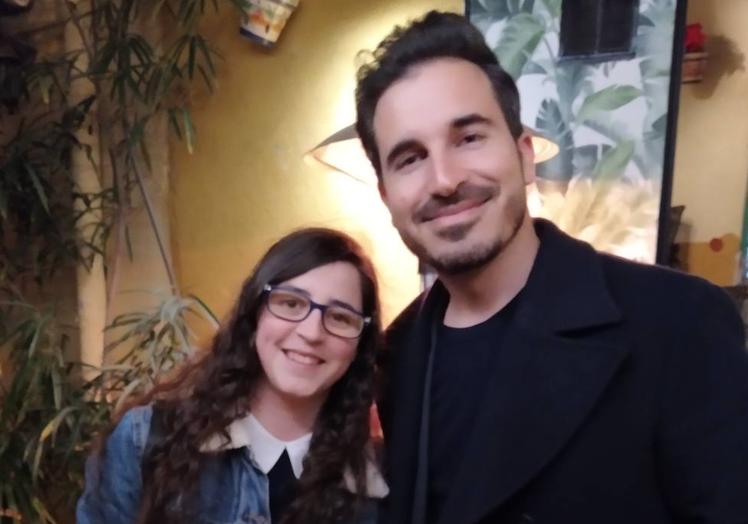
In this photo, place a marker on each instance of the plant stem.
(155, 227)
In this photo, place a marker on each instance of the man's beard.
(477, 256)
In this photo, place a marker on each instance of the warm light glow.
(343, 152)
(544, 148)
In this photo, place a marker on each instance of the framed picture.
(600, 79)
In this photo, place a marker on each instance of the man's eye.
(407, 161)
(471, 138)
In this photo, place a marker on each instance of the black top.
(283, 487)
(462, 362)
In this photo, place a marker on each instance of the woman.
(273, 424)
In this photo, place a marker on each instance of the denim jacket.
(232, 489)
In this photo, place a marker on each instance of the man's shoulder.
(404, 321)
(656, 286)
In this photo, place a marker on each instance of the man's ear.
(526, 156)
(382, 190)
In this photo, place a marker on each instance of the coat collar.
(566, 290)
(542, 386)
(243, 432)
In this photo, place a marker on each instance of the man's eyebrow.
(467, 120)
(458, 123)
(400, 148)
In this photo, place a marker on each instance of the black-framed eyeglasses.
(337, 319)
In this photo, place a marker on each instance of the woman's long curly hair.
(211, 393)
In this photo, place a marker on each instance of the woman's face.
(302, 360)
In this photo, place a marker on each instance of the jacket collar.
(266, 449)
(240, 435)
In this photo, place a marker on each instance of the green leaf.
(206, 52)
(176, 51)
(493, 9)
(608, 99)
(45, 84)
(659, 126)
(39, 329)
(57, 385)
(528, 6)
(37, 186)
(42, 511)
(206, 78)
(614, 161)
(189, 130)
(145, 155)
(3, 204)
(128, 244)
(206, 309)
(191, 56)
(518, 42)
(241, 4)
(554, 7)
(573, 80)
(157, 9)
(535, 68)
(551, 123)
(132, 386)
(174, 122)
(104, 59)
(52, 426)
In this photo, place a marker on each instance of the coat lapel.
(544, 383)
(404, 400)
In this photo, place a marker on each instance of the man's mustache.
(433, 207)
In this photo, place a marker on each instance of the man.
(537, 381)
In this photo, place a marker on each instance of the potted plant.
(105, 72)
(695, 57)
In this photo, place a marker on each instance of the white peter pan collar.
(266, 449)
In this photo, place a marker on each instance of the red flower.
(695, 38)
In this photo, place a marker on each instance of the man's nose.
(446, 175)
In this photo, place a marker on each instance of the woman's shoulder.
(113, 474)
(131, 432)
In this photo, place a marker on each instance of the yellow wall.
(247, 183)
(711, 160)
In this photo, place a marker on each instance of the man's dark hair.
(435, 35)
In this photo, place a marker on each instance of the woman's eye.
(289, 302)
(342, 318)
(293, 302)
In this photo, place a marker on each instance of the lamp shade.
(343, 152)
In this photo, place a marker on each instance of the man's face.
(453, 177)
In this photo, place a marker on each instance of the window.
(598, 29)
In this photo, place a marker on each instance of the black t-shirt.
(462, 364)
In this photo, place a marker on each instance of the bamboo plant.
(74, 156)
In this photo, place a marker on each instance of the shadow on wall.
(725, 59)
